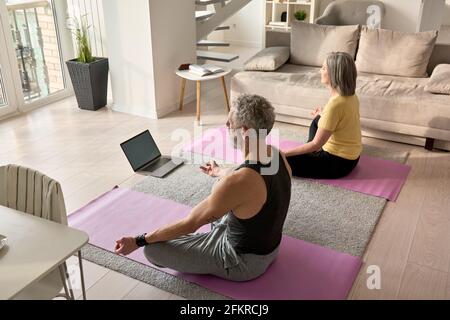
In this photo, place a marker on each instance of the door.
(5, 105)
(34, 44)
(8, 102)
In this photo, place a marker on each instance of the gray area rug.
(146, 274)
(325, 215)
(332, 217)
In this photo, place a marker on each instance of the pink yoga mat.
(373, 176)
(301, 271)
(214, 143)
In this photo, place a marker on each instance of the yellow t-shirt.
(341, 116)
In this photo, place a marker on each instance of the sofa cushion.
(289, 86)
(440, 80)
(311, 43)
(402, 100)
(395, 53)
(269, 59)
(295, 90)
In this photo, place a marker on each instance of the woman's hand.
(125, 246)
(316, 112)
(212, 169)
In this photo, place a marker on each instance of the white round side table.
(186, 75)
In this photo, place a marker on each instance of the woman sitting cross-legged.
(334, 145)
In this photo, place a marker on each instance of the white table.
(35, 247)
(186, 75)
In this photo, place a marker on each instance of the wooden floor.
(411, 244)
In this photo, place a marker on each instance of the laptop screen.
(140, 150)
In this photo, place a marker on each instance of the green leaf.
(300, 15)
(80, 29)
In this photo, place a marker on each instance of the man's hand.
(212, 169)
(317, 111)
(125, 246)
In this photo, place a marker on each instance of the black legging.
(320, 164)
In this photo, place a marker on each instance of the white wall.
(128, 35)
(94, 11)
(401, 15)
(431, 14)
(444, 33)
(446, 17)
(247, 26)
(146, 42)
(173, 40)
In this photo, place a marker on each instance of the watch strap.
(140, 240)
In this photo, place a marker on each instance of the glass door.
(35, 40)
(3, 99)
(8, 102)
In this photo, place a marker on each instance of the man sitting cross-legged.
(247, 208)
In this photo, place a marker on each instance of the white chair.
(32, 192)
(352, 12)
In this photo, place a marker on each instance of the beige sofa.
(392, 107)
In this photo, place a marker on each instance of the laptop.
(144, 156)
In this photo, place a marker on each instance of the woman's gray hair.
(254, 112)
(342, 72)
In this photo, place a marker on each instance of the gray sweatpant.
(208, 253)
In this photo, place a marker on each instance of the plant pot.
(90, 82)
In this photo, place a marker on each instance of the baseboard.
(389, 136)
(119, 108)
(175, 107)
(10, 115)
(27, 108)
(293, 120)
(442, 145)
(416, 141)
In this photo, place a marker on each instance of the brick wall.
(51, 49)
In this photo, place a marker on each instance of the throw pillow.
(440, 80)
(269, 59)
(395, 53)
(311, 43)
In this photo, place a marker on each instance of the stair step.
(206, 2)
(216, 56)
(203, 15)
(222, 28)
(212, 43)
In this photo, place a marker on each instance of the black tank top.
(262, 233)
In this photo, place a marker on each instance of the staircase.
(211, 20)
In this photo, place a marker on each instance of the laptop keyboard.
(157, 164)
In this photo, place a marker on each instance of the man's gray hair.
(342, 73)
(254, 112)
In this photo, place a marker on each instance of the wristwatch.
(140, 240)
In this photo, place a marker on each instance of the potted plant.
(300, 15)
(89, 74)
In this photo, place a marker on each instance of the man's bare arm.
(225, 197)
